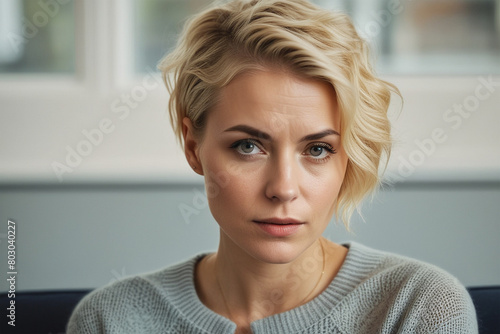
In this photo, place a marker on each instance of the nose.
(283, 180)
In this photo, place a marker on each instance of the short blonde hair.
(295, 35)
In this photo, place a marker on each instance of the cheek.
(324, 189)
(324, 195)
(231, 187)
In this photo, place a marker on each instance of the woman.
(277, 107)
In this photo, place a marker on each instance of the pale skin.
(271, 154)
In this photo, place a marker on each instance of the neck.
(251, 289)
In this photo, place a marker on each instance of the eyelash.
(235, 145)
(325, 146)
(329, 148)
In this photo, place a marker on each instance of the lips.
(279, 221)
(279, 227)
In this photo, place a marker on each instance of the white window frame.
(104, 69)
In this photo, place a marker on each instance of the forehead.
(268, 97)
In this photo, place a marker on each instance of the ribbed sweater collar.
(180, 288)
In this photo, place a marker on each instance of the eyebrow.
(261, 134)
(319, 135)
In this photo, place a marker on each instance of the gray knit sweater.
(374, 292)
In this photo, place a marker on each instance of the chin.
(277, 252)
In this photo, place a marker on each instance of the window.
(434, 37)
(409, 37)
(82, 92)
(157, 25)
(37, 36)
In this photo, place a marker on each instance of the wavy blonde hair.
(294, 35)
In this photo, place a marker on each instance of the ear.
(191, 146)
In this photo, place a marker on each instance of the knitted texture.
(374, 292)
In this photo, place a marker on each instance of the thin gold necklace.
(320, 276)
(303, 300)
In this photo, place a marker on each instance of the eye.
(316, 151)
(246, 147)
(320, 150)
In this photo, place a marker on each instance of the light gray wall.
(85, 236)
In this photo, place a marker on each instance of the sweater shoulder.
(411, 279)
(119, 306)
(398, 269)
(422, 296)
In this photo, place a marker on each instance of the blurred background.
(99, 189)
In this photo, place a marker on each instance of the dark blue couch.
(41, 312)
(48, 311)
(487, 302)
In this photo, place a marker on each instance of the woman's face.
(273, 163)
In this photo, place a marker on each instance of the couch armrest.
(487, 302)
(41, 311)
